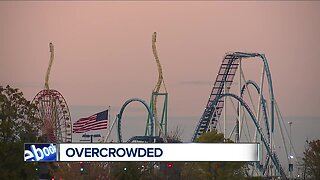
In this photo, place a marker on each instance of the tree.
(312, 159)
(126, 170)
(174, 136)
(17, 117)
(213, 170)
(72, 170)
(18, 124)
(172, 170)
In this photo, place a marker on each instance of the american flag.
(95, 122)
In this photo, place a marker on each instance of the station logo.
(40, 152)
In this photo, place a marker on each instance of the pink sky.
(104, 55)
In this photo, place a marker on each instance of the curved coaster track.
(269, 164)
(262, 118)
(150, 116)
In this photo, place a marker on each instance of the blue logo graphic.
(40, 152)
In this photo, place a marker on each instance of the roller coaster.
(262, 118)
(251, 123)
(156, 128)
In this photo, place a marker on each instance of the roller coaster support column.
(259, 107)
(240, 88)
(163, 127)
(225, 111)
(290, 155)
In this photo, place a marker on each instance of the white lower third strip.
(159, 152)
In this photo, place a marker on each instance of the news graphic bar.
(41, 152)
(160, 152)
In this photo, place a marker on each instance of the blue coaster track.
(221, 87)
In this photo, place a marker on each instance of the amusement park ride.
(160, 126)
(253, 122)
(262, 118)
(53, 111)
(156, 128)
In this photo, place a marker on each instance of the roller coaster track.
(223, 81)
(46, 84)
(265, 115)
(119, 117)
(271, 154)
(160, 75)
(220, 91)
(263, 103)
(225, 77)
(155, 92)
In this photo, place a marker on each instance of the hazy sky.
(103, 54)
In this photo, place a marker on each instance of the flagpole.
(114, 121)
(109, 111)
(112, 125)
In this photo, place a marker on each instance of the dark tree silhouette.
(312, 160)
(18, 124)
(213, 170)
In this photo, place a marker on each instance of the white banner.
(159, 152)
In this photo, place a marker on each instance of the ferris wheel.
(53, 111)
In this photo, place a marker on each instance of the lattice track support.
(216, 103)
(163, 127)
(223, 82)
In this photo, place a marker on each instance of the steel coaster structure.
(161, 127)
(156, 129)
(150, 116)
(53, 111)
(267, 111)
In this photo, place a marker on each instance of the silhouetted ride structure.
(160, 123)
(252, 122)
(53, 111)
(150, 119)
(156, 126)
(260, 128)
